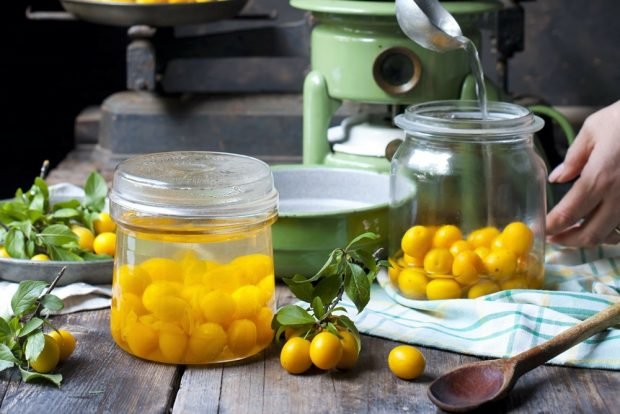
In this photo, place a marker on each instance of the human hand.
(589, 213)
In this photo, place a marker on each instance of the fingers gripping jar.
(468, 201)
(193, 274)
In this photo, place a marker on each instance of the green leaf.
(332, 328)
(95, 192)
(293, 315)
(356, 286)
(279, 330)
(37, 204)
(58, 235)
(30, 326)
(42, 186)
(328, 288)
(368, 261)
(34, 345)
(361, 240)
(35, 215)
(72, 204)
(7, 359)
(330, 266)
(52, 302)
(347, 323)
(371, 276)
(5, 330)
(303, 330)
(16, 244)
(7, 355)
(30, 248)
(365, 258)
(318, 308)
(15, 323)
(300, 287)
(62, 254)
(65, 213)
(88, 218)
(88, 256)
(24, 226)
(20, 197)
(14, 210)
(29, 376)
(26, 296)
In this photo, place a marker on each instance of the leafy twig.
(51, 287)
(332, 305)
(349, 270)
(21, 335)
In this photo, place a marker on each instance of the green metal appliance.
(359, 53)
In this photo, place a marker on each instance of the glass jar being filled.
(193, 273)
(468, 201)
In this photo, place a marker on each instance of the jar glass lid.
(195, 184)
(463, 118)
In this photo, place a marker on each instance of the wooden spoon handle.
(542, 353)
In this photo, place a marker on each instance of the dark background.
(572, 52)
(54, 69)
(51, 71)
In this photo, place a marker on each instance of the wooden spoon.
(475, 384)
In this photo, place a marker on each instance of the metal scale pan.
(158, 15)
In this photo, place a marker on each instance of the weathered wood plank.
(199, 390)
(260, 385)
(556, 389)
(98, 377)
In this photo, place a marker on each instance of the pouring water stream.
(430, 25)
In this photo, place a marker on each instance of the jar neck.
(462, 121)
(146, 223)
(436, 140)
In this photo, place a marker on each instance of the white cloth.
(77, 297)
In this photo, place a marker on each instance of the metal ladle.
(475, 384)
(429, 24)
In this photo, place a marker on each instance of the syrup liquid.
(476, 69)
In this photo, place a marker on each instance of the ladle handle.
(542, 353)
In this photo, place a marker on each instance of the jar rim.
(460, 118)
(195, 184)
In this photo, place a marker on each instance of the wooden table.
(100, 377)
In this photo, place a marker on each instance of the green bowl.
(323, 208)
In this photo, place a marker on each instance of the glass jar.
(193, 273)
(468, 201)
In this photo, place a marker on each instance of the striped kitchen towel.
(578, 283)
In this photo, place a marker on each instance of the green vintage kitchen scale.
(360, 54)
